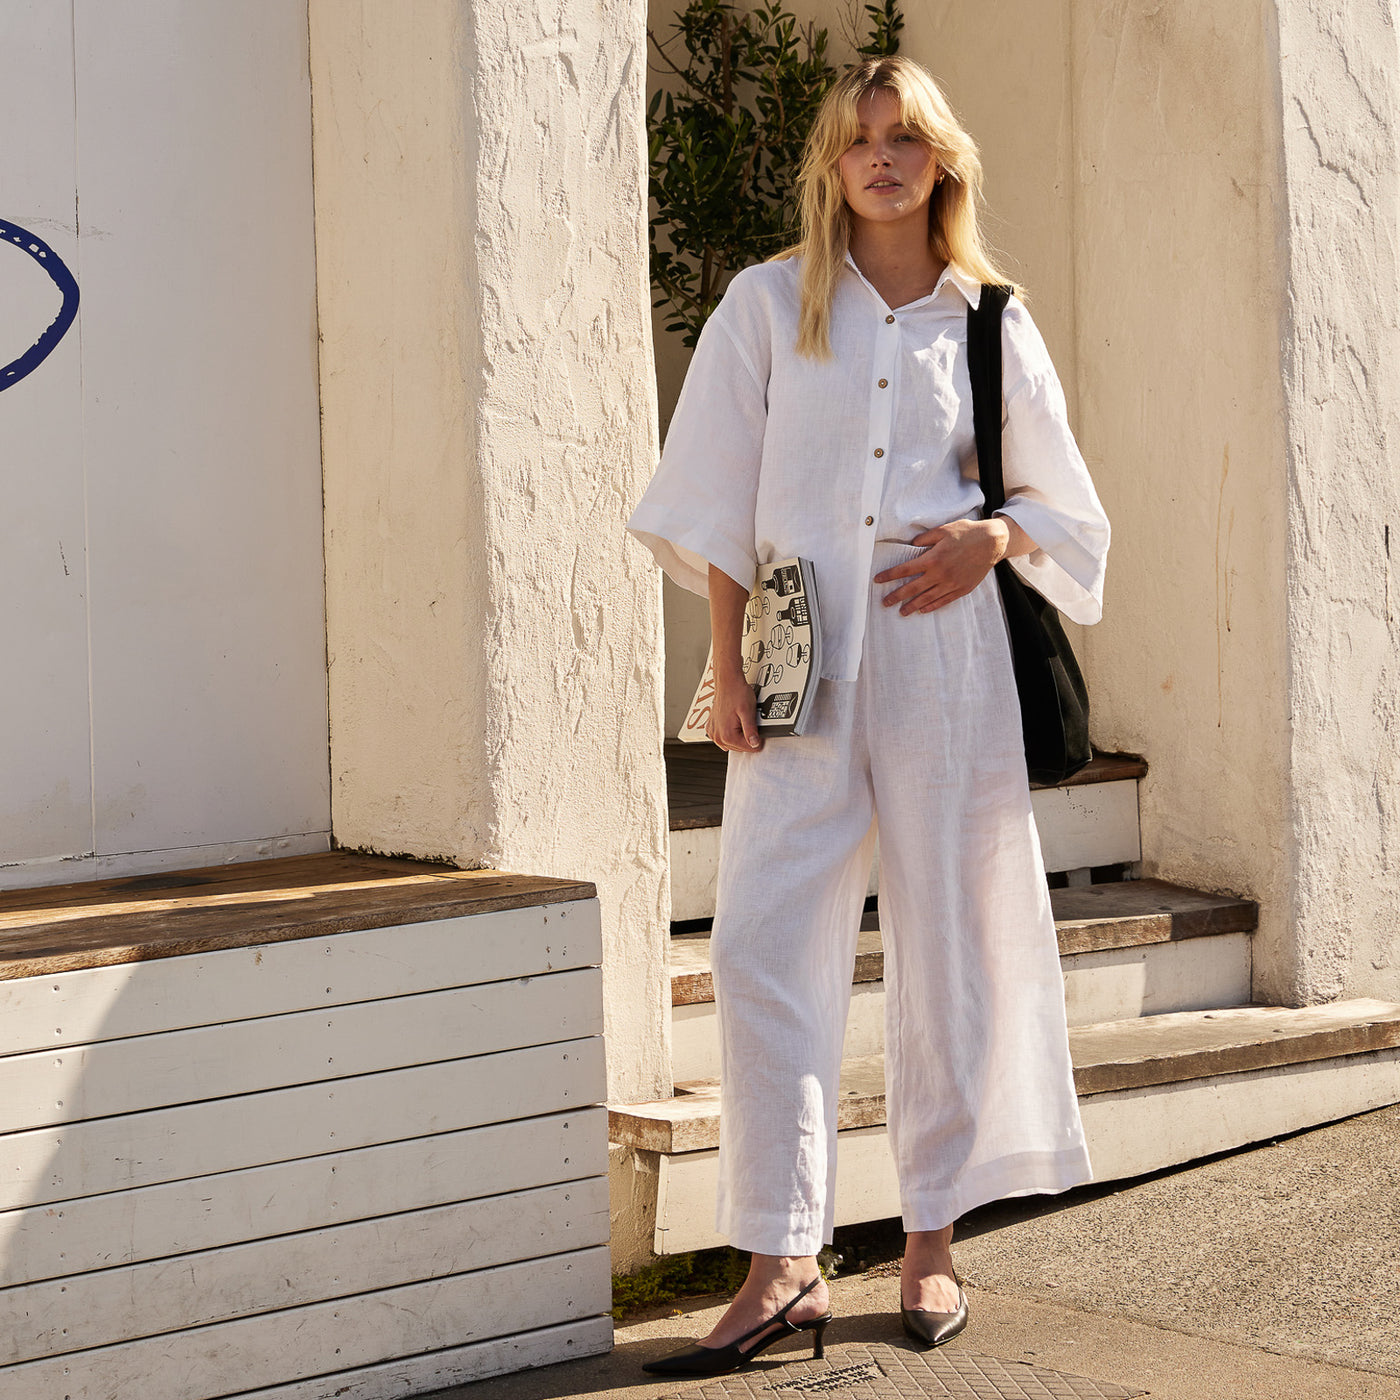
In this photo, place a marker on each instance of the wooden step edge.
(137, 918)
(1088, 919)
(1185, 1045)
(695, 784)
(1150, 1051)
(1105, 768)
(1129, 913)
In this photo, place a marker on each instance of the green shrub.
(724, 149)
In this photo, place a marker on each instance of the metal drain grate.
(877, 1371)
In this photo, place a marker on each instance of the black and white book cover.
(782, 652)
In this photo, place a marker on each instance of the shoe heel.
(818, 1342)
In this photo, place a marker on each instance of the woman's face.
(887, 173)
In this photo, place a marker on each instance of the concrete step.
(1092, 820)
(1128, 948)
(1154, 1092)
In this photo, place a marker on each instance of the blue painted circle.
(64, 280)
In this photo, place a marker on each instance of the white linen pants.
(926, 742)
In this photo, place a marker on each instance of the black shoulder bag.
(1054, 702)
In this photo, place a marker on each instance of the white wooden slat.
(191, 1290)
(1094, 824)
(211, 1062)
(1134, 1131)
(126, 1227)
(867, 1188)
(694, 866)
(167, 1144)
(276, 1348)
(1115, 984)
(417, 1375)
(1129, 1132)
(1191, 974)
(238, 984)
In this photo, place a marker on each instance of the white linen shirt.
(772, 455)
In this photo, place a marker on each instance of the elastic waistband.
(889, 552)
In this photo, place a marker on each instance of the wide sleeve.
(699, 508)
(1048, 490)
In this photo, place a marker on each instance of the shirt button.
(879, 451)
(869, 519)
(889, 320)
(884, 383)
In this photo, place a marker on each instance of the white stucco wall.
(1178, 293)
(1339, 86)
(160, 552)
(489, 411)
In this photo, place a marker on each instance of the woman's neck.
(896, 260)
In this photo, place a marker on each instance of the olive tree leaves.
(725, 139)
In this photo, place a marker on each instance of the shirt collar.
(970, 287)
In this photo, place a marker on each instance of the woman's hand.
(956, 558)
(733, 722)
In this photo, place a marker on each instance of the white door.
(163, 674)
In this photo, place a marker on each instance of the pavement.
(1272, 1273)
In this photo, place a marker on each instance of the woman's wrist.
(998, 528)
(1018, 543)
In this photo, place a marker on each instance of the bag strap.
(984, 367)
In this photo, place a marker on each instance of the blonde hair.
(825, 215)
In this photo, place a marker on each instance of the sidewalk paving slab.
(1272, 1273)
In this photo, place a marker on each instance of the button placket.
(881, 424)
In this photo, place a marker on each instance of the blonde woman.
(827, 413)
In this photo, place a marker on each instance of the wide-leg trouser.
(926, 743)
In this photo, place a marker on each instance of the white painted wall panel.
(199, 1230)
(45, 765)
(453, 1366)
(214, 1062)
(142, 1149)
(200, 409)
(274, 1348)
(102, 1232)
(105, 1003)
(118, 1305)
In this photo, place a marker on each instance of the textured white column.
(489, 408)
(1339, 73)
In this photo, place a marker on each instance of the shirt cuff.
(1062, 569)
(685, 549)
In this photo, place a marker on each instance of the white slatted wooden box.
(317, 1127)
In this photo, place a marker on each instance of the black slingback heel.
(696, 1360)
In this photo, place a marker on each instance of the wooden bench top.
(62, 928)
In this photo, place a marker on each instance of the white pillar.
(489, 406)
(1339, 74)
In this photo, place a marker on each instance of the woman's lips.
(884, 183)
